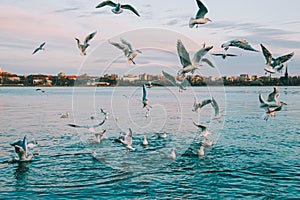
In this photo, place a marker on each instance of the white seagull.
(85, 45)
(145, 141)
(218, 112)
(99, 135)
(66, 115)
(181, 84)
(173, 154)
(200, 151)
(128, 140)
(204, 132)
(41, 47)
(274, 64)
(199, 19)
(240, 43)
(188, 65)
(199, 105)
(117, 7)
(87, 126)
(272, 100)
(126, 47)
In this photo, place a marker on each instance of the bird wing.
(169, 77)
(283, 59)
(42, 45)
(202, 10)
(273, 95)
(106, 3)
(129, 7)
(203, 128)
(276, 109)
(183, 54)
(205, 102)
(118, 45)
(89, 37)
(231, 54)
(36, 50)
(199, 54)
(261, 99)
(86, 126)
(217, 54)
(127, 44)
(100, 124)
(208, 62)
(267, 54)
(215, 106)
(17, 142)
(78, 43)
(144, 93)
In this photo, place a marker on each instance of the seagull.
(150, 84)
(118, 8)
(39, 89)
(272, 100)
(200, 151)
(240, 43)
(104, 112)
(126, 47)
(21, 150)
(274, 64)
(41, 47)
(145, 141)
(99, 135)
(199, 19)
(162, 135)
(128, 140)
(271, 113)
(181, 84)
(145, 99)
(188, 65)
(86, 126)
(218, 113)
(66, 115)
(85, 45)
(173, 154)
(224, 55)
(199, 105)
(204, 131)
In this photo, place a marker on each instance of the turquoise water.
(251, 158)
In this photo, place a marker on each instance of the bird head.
(283, 103)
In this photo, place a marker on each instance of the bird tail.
(191, 23)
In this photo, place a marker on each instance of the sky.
(24, 25)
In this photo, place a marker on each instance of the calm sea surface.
(251, 158)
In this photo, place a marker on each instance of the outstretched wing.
(36, 50)
(183, 54)
(129, 7)
(203, 128)
(78, 43)
(205, 102)
(106, 3)
(89, 37)
(118, 45)
(127, 44)
(169, 77)
(128, 138)
(208, 62)
(267, 54)
(202, 10)
(217, 54)
(273, 95)
(215, 106)
(283, 59)
(42, 45)
(199, 54)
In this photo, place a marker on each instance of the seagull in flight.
(117, 7)
(87, 126)
(128, 140)
(199, 105)
(204, 131)
(145, 99)
(224, 55)
(188, 65)
(41, 47)
(240, 43)
(200, 16)
(126, 47)
(218, 112)
(272, 100)
(85, 45)
(181, 84)
(274, 64)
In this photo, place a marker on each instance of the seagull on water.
(274, 64)
(145, 141)
(41, 47)
(126, 47)
(199, 19)
(200, 151)
(162, 135)
(173, 154)
(188, 65)
(240, 43)
(117, 7)
(272, 100)
(204, 132)
(181, 84)
(224, 55)
(99, 135)
(199, 105)
(85, 45)
(21, 150)
(128, 140)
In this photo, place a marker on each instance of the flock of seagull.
(271, 105)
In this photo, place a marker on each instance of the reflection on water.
(20, 174)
